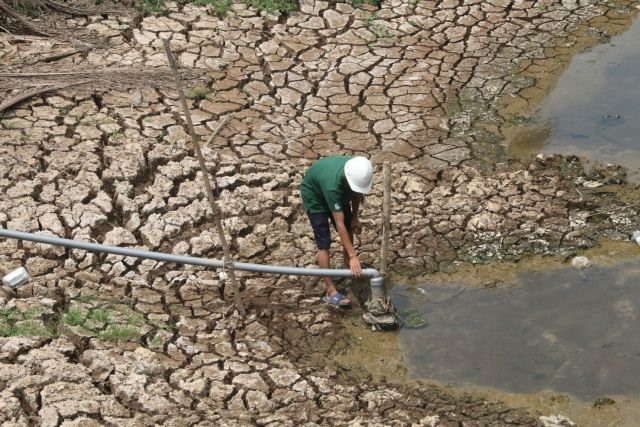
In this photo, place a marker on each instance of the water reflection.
(569, 330)
(594, 111)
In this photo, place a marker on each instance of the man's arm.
(354, 261)
(356, 200)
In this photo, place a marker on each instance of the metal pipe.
(116, 250)
(182, 259)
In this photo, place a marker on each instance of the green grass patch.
(198, 93)
(222, 7)
(85, 299)
(30, 328)
(379, 30)
(107, 321)
(156, 341)
(358, 3)
(10, 315)
(8, 124)
(151, 6)
(118, 333)
(136, 319)
(372, 18)
(15, 323)
(65, 110)
(28, 8)
(283, 6)
(15, 315)
(25, 328)
(74, 317)
(161, 136)
(115, 135)
(219, 7)
(5, 330)
(98, 315)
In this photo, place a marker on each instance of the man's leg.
(347, 223)
(321, 233)
(324, 261)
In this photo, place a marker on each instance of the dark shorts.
(320, 224)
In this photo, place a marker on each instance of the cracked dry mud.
(421, 84)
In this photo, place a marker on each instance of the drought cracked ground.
(103, 155)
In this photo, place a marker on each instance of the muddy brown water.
(594, 110)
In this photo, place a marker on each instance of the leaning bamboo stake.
(205, 176)
(386, 217)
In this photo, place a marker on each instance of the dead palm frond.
(16, 16)
(20, 86)
(15, 22)
(17, 96)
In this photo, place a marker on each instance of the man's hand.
(356, 227)
(355, 266)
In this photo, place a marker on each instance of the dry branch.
(217, 43)
(69, 10)
(14, 22)
(218, 129)
(13, 99)
(106, 78)
(55, 56)
(19, 87)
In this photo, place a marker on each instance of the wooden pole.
(386, 217)
(205, 176)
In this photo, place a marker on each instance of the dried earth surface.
(95, 339)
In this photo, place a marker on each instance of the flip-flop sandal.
(337, 300)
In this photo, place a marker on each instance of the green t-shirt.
(324, 187)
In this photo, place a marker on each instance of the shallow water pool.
(568, 330)
(594, 110)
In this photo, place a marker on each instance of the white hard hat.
(359, 173)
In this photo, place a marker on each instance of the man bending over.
(332, 190)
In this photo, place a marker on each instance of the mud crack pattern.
(132, 342)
